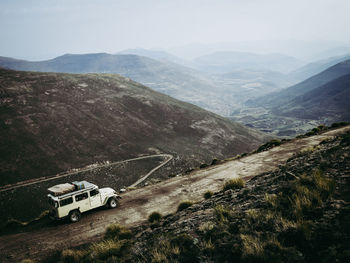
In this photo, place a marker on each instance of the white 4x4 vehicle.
(72, 199)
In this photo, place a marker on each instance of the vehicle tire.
(74, 216)
(112, 202)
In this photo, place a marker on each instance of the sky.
(33, 29)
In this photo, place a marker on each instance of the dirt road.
(45, 179)
(136, 205)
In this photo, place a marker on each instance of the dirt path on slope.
(50, 178)
(136, 205)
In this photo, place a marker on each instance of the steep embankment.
(50, 123)
(203, 220)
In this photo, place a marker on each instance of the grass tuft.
(116, 231)
(236, 183)
(154, 217)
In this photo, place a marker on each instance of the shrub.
(154, 217)
(236, 183)
(116, 231)
(269, 145)
(183, 205)
(208, 194)
(203, 165)
(339, 124)
(214, 161)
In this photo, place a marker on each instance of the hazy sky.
(34, 29)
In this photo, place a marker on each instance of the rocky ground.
(299, 213)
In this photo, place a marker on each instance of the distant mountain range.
(316, 67)
(217, 93)
(286, 95)
(53, 122)
(321, 99)
(223, 62)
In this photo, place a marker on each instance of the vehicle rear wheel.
(112, 202)
(74, 216)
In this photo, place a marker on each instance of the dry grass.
(236, 183)
(116, 231)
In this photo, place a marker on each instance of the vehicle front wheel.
(74, 216)
(112, 202)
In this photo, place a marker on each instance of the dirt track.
(45, 179)
(138, 204)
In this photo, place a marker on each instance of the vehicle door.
(82, 202)
(95, 198)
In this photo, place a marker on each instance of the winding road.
(45, 179)
(136, 205)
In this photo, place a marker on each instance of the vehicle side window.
(81, 197)
(66, 201)
(94, 192)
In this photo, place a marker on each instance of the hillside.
(316, 67)
(168, 78)
(54, 122)
(292, 208)
(285, 95)
(321, 99)
(219, 94)
(329, 103)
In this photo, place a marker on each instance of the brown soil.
(138, 204)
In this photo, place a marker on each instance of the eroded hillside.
(51, 122)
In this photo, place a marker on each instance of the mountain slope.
(329, 102)
(54, 122)
(316, 67)
(286, 95)
(219, 94)
(177, 81)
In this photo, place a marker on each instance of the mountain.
(329, 103)
(223, 62)
(53, 122)
(177, 81)
(316, 67)
(286, 95)
(219, 94)
(155, 54)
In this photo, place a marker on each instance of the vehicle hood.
(107, 191)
